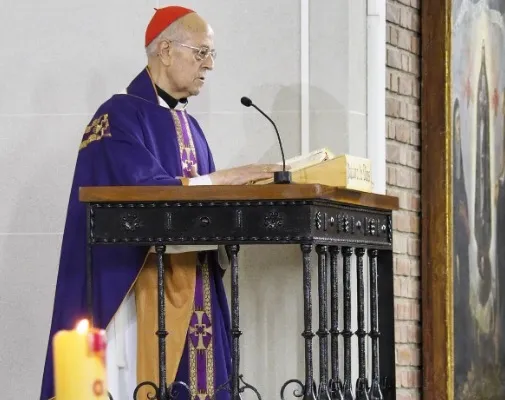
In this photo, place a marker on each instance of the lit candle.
(79, 364)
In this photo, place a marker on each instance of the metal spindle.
(322, 333)
(336, 383)
(375, 389)
(235, 322)
(161, 333)
(361, 383)
(347, 333)
(89, 266)
(309, 392)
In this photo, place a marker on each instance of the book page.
(304, 161)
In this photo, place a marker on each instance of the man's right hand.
(244, 174)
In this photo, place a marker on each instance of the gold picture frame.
(436, 260)
(463, 181)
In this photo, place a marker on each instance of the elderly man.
(144, 136)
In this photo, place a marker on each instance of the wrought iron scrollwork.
(246, 386)
(242, 388)
(155, 393)
(170, 390)
(309, 394)
(150, 396)
(296, 393)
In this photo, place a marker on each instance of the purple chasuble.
(132, 141)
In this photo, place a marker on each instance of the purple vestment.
(133, 141)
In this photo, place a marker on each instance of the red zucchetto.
(162, 19)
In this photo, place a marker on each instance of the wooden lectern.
(329, 219)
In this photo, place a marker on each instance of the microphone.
(279, 176)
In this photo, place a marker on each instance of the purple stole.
(200, 349)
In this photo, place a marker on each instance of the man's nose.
(209, 63)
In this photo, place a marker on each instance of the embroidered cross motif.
(200, 343)
(188, 164)
(200, 330)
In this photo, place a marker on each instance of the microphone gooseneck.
(279, 176)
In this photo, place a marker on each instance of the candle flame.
(82, 326)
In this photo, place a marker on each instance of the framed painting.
(463, 199)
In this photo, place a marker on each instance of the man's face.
(187, 69)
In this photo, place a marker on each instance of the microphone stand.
(280, 177)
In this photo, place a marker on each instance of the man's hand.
(244, 174)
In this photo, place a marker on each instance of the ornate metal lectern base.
(334, 224)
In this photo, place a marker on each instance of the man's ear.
(165, 52)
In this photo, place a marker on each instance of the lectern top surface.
(289, 192)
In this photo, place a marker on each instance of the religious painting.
(463, 198)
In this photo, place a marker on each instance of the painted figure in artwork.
(462, 312)
(482, 213)
(500, 249)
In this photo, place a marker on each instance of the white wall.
(61, 59)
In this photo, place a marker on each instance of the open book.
(323, 167)
(300, 162)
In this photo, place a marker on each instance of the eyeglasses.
(201, 53)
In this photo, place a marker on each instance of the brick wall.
(403, 181)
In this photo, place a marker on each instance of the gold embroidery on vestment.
(180, 138)
(210, 350)
(200, 348)
(96, 130)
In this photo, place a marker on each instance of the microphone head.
(246, 101)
